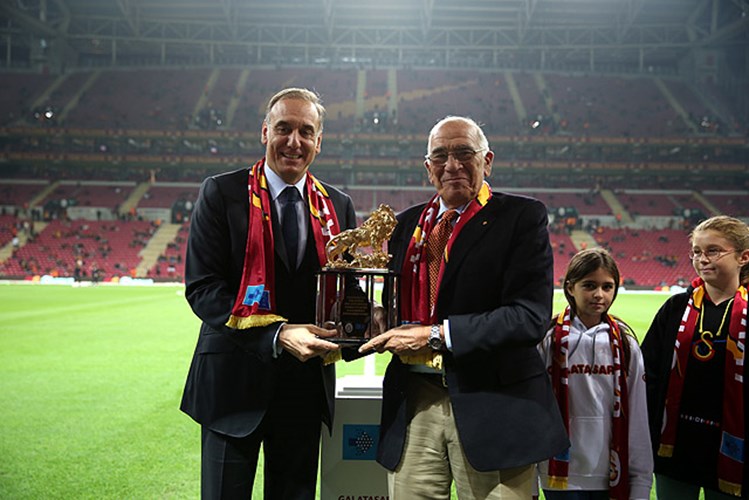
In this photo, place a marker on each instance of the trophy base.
(346, 341)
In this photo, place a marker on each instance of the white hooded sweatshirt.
(591, 396)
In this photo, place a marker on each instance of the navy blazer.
(233, 373)
(497, 294)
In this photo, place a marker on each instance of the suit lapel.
(469, 236)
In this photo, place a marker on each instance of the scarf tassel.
(665, 450)
(244, 322)
(557, 483)
(729, 487)
(430, 359)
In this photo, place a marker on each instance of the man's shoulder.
(233, 176)
(499, 200)
(411, 212)
(333, 191)
(502, 198)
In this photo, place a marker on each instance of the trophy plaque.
(347, 285)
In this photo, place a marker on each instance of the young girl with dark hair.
(597, 373)
(694, 357)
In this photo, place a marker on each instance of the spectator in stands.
(95, 273)
(78, 271)
(597, 372)
(466, 398)
(694, 361)
(257, 375)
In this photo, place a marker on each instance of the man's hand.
(405, 339)
(306, 341)
(379, 323)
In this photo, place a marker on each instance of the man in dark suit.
(466, 397)
(257, 237)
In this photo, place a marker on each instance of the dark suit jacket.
(233, 373)
(497, 293)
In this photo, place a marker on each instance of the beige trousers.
(433, 457)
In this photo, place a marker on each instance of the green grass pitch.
(91, 379)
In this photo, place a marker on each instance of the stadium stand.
(17, 94)
(653, 258)
(607, 154)
(112, 246)
(8, 229)
(89, 194)
(165, 196)
(171, 263)
(15, 195)
(729, 202)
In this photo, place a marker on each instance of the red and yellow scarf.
(415, 272)
(730, 458)
(619, 446)
(255, 303)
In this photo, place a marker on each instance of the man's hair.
(298, 93)
(483, 141)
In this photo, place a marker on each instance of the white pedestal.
(348, 470)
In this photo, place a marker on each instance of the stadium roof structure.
(639, 35)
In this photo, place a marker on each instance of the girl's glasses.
(712, 254)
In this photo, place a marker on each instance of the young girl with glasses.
(597, 373)
(694, 360)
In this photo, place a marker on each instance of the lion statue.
(373, 233)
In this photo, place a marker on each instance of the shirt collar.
(443, 209)
(276, 185)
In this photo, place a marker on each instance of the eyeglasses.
(460, 155)
(712, 254)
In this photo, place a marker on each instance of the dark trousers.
(290, 435)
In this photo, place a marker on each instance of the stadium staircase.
(616, 206)
(73, 102)
(674, 102)
(582, 239)
(45, 96)
(203, 99)
(6, 252)
(156, 246)
(41, 195)
(707, 203)
(236, 97)
(392, 91)
(544, 90)
(517, 101)
(135, 197)
(361, 92)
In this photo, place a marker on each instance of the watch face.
(435, 341)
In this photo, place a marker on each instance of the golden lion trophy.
(347, 286)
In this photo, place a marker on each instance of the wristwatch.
(435, 339)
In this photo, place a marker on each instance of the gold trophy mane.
(373, 233)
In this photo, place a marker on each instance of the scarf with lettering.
(731, 452)
(415, 273)
(619, 445)
(255, 303)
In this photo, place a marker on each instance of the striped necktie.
(436, 249)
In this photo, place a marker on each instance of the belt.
(435, 378)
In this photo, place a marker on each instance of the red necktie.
(436, 249)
